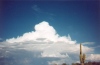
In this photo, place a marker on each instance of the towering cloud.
(44, 42)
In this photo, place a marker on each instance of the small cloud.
(36, 8)
(0, 38)
(93, 57)
(88, 43)
(96, 46)
(42, 11)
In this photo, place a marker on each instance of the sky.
(48, 31)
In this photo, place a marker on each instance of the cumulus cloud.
(50, 40)
(44, 42)
(94, 57)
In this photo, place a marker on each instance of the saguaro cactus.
(82, 56)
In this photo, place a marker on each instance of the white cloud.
(93, 57)
(88, 43)
(58, 62)
(46, 42)
(52, 45)
(42, 30)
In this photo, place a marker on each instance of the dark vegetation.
(88, 63)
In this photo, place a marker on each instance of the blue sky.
(79, 19)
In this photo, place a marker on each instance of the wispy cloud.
(39, 10)
(36, 8)
(0, 38)
(88, 43)
(42, 13)
(42, 43)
